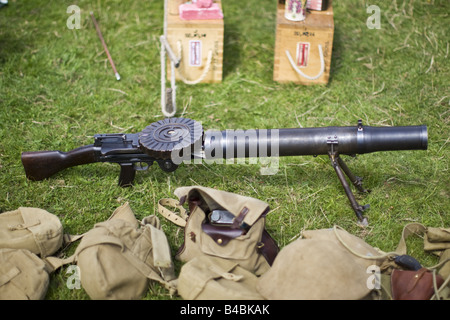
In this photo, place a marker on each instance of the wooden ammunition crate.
(198, 39)
(302, 39)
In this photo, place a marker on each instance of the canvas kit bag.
(23, 275)
(26, 236)
(319, 267)
(242, 238)
(226, 245)
(334, 264)
(119, 257)
(33, 229)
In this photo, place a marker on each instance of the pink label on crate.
(302, 54)
(195, 53)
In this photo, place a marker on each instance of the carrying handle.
(322, 65)
(168, 111)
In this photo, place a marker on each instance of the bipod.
(342, 169)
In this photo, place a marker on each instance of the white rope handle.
(163, 82)
(163, 69)
(205, 71)
(322, 65)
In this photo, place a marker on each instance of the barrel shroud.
(312, 141)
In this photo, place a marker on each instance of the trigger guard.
(138, 166)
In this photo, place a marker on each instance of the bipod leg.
(357, 208)
(355, 180)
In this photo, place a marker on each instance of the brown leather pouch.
(222, 235)
(413, 285)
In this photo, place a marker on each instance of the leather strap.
(268, 247)
(179, 220)
(237, 221)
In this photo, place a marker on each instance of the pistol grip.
(127, 174)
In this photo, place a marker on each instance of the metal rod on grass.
(99, 33)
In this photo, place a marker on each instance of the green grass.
(57, 90)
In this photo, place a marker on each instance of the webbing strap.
(409, 229)
(148, 272)
(179, 220)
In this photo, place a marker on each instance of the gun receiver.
(115, 148)
(172, 140)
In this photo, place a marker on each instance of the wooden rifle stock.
(40, 165)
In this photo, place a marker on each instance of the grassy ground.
(57, 90)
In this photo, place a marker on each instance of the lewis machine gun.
(171, 141)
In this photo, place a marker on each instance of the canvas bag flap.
(250, 209)
(436, 239)
(438, 234)
(323, 264)
(213, 278)
(314, 269)
(23, 275)
(365, 253)
(33, 229)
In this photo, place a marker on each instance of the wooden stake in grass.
(104, 46)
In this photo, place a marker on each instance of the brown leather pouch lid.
(413, 285)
